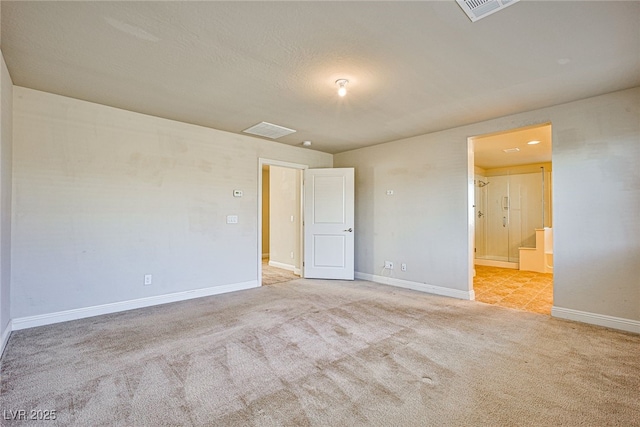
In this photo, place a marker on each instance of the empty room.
(320, 213)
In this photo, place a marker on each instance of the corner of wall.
(6, 173)
(4, 337)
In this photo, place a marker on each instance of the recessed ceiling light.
(511, 150)
(533, 142)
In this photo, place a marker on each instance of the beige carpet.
(272, 275)
(324, 353)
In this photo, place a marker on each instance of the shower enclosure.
(508, 210)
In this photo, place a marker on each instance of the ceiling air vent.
(269, 130)
(478, 9)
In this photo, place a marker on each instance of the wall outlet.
(388, 265)
(147, 279)
(232, 219)
(403, 267)
(291, 255)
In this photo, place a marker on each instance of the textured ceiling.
(413, 67)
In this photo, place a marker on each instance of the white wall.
(423, 224)
(596, 182)
(284, 192)
(6, 121)
(103, 196)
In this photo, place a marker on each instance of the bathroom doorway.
(513, 219)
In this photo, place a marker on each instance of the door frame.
(300, 167)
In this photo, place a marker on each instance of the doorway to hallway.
(281, 209)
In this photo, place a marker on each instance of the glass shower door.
(526, 193)
(497, 232)
(480, 203)
(509, 209)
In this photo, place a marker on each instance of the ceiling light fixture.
(342, 83)
(533, 142)
(306, 143)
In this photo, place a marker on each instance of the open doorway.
(280, 235)
(513, 219)
(323, 248)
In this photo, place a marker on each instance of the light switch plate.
(237, 193)
(232, 219)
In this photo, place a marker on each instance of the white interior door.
(329, 223)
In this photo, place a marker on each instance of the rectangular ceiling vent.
(478, 9)
(269, 130)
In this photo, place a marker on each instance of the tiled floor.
(272, 275)
(522, 290)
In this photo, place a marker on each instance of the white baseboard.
(496, 263)
(97, 310)
(5, 337)
(282, 265)
(423, 287)
(597, 319)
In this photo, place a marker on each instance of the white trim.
(262, 162)
(280, 163)
(282, 265)
(623, 324)
(471, 215)
(423, 287)
(496, 263)
(5, 337)
(115, 307)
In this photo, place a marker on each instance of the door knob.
(350, 230)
